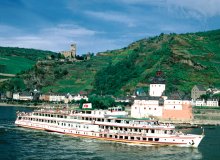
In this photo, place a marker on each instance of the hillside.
(13, 60)
(186, 60)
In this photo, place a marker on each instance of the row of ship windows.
(133, 138)
(102, 127)
(129, 137)
(95, 119)
(50, 115)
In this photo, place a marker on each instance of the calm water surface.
(26, 144)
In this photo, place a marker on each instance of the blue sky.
(100, 25)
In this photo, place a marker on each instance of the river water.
(27, 144)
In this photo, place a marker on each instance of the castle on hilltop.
(70, 54)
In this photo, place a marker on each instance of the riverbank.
(195, 123)
(2, 104)
(31, 105)
(12, 105)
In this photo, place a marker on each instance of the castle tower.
(157, 86)
(73, 50)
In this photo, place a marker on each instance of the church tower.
(157, 85)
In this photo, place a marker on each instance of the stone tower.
(73, 50)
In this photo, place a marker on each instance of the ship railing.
(24, 114)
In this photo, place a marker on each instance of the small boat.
(108, 125)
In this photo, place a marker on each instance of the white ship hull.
(94, 131)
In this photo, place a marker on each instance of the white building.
(158, 105)
(200, 102)
(23, 96)
(146, 108)
(156, 90)
(212, 103)
(78, 97)
(208, 103)
(56, 98)
(15, 96)
(173, 104)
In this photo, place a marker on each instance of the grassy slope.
(81, 75)
(186, 59)
(15, 60)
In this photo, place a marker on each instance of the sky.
(100, 25)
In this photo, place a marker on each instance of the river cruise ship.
(110, 125)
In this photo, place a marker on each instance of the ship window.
(61, 116)
(65, 116)
(156, 139)
(152, 131)
(132, 138)
(126, 137)
(105, 135)
(121, 137)
(87, 118)
(109, 120)
(110, 136)
(138, 138)
(150, 139)
(116, 136)
(144, 139)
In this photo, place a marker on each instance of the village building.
(52, 97)
(23, 96)
(160, 106)
(200, 102)
(66, 98)
(206, 103)
(15, 96)
(212, 103)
